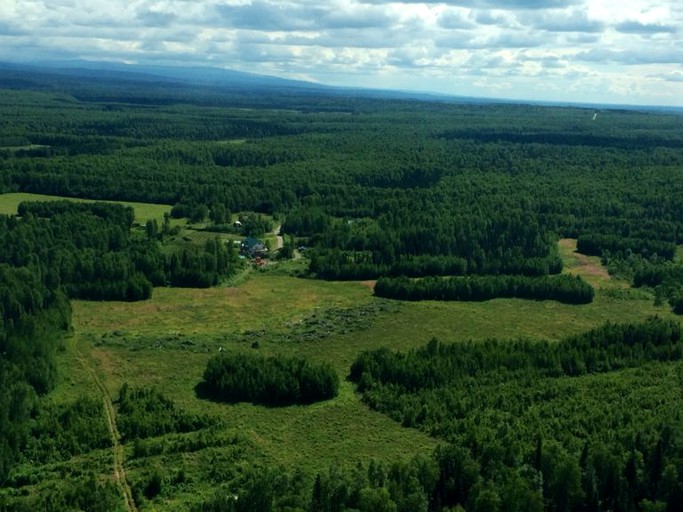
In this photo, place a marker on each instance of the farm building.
(253, 247)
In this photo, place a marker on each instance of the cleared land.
(166, 342)
(143, 211)
(588, 267)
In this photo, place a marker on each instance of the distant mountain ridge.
(216, 79)
(69, 75)
(190, 74)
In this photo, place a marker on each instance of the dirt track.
(117, 448)
(279, 240)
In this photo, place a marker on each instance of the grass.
(267, 301)
(311, 437)
(166, 342)
(143, 211)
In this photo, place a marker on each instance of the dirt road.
(279, 241)
(117, 449)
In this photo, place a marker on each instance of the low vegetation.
(145, 412)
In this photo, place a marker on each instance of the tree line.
(35, 319)
(596, 245)
(562, 288)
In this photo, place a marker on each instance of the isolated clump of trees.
(235, 377)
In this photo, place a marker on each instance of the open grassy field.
(166, 342)
(143, 211)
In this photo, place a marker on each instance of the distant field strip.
(143, 211)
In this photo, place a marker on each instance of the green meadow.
(166, 342)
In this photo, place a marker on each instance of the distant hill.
(110, 81)
(154, 84)
(183, 74)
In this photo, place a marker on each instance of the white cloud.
(536, 49)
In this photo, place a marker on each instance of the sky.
(599, 51)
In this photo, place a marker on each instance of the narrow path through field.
(279, 241)
(117, 448)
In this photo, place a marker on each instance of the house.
(253, 247)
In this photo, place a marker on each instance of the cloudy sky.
(615, 51)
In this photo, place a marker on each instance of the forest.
(150, 363)
(585, 459)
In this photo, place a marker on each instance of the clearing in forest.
(588, 267)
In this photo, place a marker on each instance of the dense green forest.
(436, 200)
(90, 250)
(533, 428)
(386, 189)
